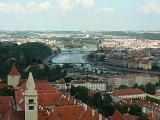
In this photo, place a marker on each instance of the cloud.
(68, 4)
(151, 7)
(88, 3)
(106, 9)
(24, 8)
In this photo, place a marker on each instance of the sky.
(75, 15)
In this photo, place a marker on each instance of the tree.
(123, 87)
(135, 110)
(68, 79)
(150, 89)
(7, 92)
(97, 100)
(107, 99)
(122, 108)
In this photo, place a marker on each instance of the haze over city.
(91, 15)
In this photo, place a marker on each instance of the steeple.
(30, 85)
(31, 103)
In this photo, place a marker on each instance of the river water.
(75, 56)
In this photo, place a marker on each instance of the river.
(75, 56)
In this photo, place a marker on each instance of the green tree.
(7, 92)
(135, 110)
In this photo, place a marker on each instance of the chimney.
(74, 101)
(100, 117)
(93, 112)
(62, 96)
(48, 112)
(41, 108)
(85, 106)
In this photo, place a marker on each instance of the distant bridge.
(74, 52)
(72, 63)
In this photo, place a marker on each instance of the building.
(3, 85)
(118, 116)
(132, 79)
(148, 107)
(93, 85)
(38, 100)
(129, 94)
(6, 103)
(146, 65)
(61, 84)
(14, 77)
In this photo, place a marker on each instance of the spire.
(14, 71)
(30, 85)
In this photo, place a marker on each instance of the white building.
(93, 85)
(129, 94)
(132, 79)
(13, 77)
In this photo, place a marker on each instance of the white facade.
(31, 103)
(92, 85)
(134, 96)
(13, 80)
(131, 80)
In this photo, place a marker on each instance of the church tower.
(13, 77)
(31, 103)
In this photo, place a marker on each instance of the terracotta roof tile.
(11, 114)
(14, 71)
(127, 92)
(6, 102)
(3, 85)
(61, 107)
(117, 116)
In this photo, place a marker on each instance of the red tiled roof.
(117, 116)
(14, 71)
(141, 103)
(62, 107)
(73, 112)
(47, 95)
(127, 92)
(130, 117)
(152, 116)
(6, 102)
(3, 85)
(11, 114)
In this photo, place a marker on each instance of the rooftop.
(14, 71)
(127, 92)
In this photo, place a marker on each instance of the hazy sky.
(80, 14)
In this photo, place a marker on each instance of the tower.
(13, 77)
(31, 103)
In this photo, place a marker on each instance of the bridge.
(74, 52)
(72, 63)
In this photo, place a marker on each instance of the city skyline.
(90, 15)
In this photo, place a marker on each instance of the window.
(31, 107)
(31, 101)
